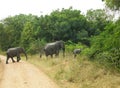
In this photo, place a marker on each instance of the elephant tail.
(42, 52)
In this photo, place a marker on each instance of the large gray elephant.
(54, 48)
(12, 52)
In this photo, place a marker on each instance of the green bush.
(36, 46)
(109, 59)
(70, 46)
(106, 46)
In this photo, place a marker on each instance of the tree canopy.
(66, 24)
(113, 4)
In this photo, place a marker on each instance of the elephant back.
(76, 51)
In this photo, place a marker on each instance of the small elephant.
(12, 52)
(76, 51)
(54, 48)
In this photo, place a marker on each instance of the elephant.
(76, 51)
(12, 52)
(54, 48)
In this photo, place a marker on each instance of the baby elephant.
(76, 51)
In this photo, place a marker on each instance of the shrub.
(70, 46)
(36, 46)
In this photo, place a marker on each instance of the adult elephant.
(15, 52)
(54, 48)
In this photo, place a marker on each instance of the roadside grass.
(77, 72)
(1, 70)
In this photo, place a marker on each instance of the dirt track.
(24, 75)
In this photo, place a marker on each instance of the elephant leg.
(75, 55)
(51, 55)
(40, 56)
(57, 54)
(18, 59)
(46, 54)
(12, 59)
(7, 60)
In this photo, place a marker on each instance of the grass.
(76, 73)
(1, 70)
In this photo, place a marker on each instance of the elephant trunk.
(26, 55)
(23, 51)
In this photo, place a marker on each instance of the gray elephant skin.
(15, 52)
(54, 48)
(76, 51)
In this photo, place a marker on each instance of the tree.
(27, 35)
(65, 24)
(2, 36)
(13, 27)
(113, 4)
(97, 20)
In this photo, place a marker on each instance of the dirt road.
(24, 75)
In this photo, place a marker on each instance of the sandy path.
(24, 75)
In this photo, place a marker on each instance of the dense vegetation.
(96, 30)
(68, 25)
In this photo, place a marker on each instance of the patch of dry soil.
(24, 75)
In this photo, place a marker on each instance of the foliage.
(27, 35)
(70, 46)
(65, 24)
(108, 39)
(2, 36)
(105, 47)
(36, 46)
(112, 4)
(24, 30)
(12, 29)
(98, 19)
(110, 59)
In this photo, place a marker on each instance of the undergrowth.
(77, 72)
(1, 70)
